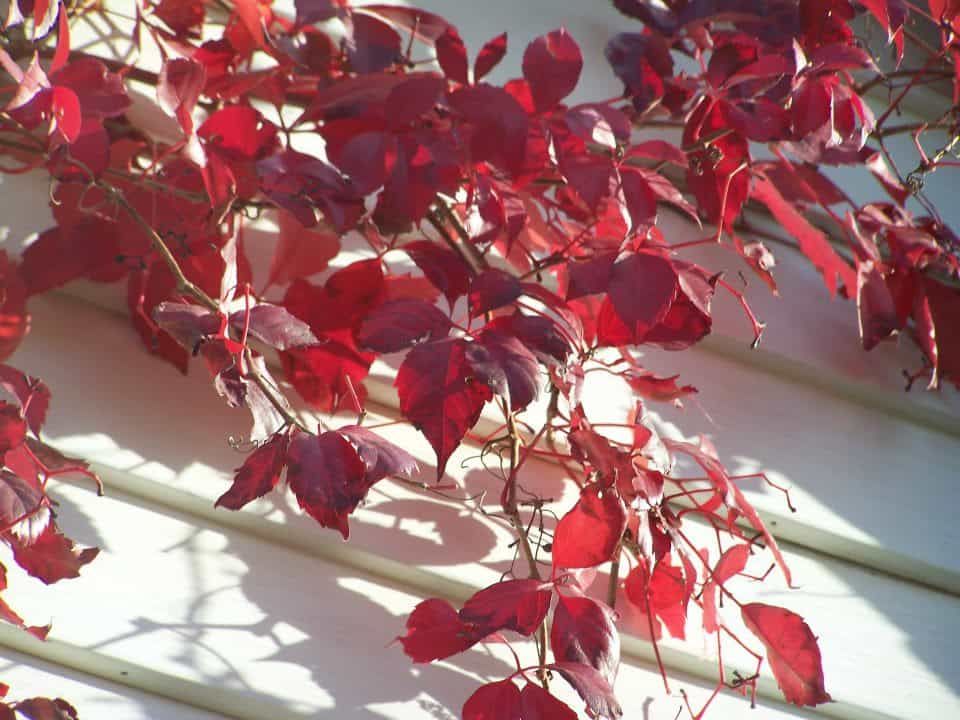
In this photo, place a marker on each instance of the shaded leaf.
(439, 396)
(258, 475)
(584, 631)
(398, 324)
(328, 478)
(507, 367)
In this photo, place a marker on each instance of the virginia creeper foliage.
(504, 241)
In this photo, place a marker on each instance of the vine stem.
(510, 507)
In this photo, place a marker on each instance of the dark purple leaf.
(398, 324)
(507, 367)
(381, 457)
(275, 326)
(493, 289)
(442, 267)
(328, 477)
(584, 631)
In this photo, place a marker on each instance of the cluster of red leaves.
(785, 74)
(27, 524)
(533, 219)
(38, 708)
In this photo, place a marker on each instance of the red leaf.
(65, 107)
(300, 252)
(178, 89)
(52, 556)
(728, 491)
(452, 56)
(590, 533)
(496, 125)
(552, 65)
(591, 687)
(493, 289)
(494, 701)
(518, 605)
(14, 319)
(322, 374)
(438, 395)
(435, 632)
(642, 288)
(584, 631)
(31, 392)
(489, 56)
(718, 159)
(13, 428)
(442, 267)
(424, 24)
(663, 593)
(875, 307)
(258, 475)
(102, 93)
(506, 366)
(590, 277)
(538, 704)
(328, 477)
(398, 324)
(792, 651)
(380, 457)
(371, 44)
(660, 389)
(274, 325)
(21, 509)
(813, 243)
(47, 709)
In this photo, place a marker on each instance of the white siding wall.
(194, 613)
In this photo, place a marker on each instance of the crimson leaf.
(590, 533)
(792, 651)
(552, 65)
(327, 476)
(258, 475)
(518, 605)
(435, 632)
(584, 632)
(439, 396)
(494, 701)
(538, 704)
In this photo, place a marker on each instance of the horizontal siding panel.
(92, 696)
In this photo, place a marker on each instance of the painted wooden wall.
(192, 612)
